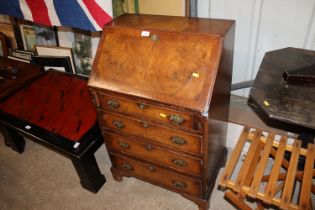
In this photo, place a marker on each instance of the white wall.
(261, 26)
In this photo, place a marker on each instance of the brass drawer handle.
(113, 104)
(127, 166)
(179, 185)
(123, 145)
(145, 124)
(180, 162)
(178, 140)
(142, 106)
(148, 147)
(176, 119)
(118, 124)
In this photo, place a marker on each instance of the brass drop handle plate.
(179, 185)
(145, 124)
(127, 166)
(141, 106)
(118, 124)
(124, 145)
(178, 140)
(176, 119)
(113, 104)
(181, 163)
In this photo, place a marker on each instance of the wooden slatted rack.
(253, 172)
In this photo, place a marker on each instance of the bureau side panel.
(216, 123)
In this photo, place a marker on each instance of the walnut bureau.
(161, 86)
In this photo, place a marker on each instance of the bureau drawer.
(158, 175)
(150, 152)
(147, 110)
(177, 139)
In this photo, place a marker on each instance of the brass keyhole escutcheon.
(142, 106)
(145, 124)
(148, 147)
(151, 168)
(155, 37)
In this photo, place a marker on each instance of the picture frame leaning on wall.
(59, 63)
(57, 51)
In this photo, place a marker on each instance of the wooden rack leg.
(236, 200)
(260, 206)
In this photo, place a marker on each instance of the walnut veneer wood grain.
(161, 86)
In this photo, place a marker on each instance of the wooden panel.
(305, 193)
(290, 178)
(246, 167)
(191, 143)
(271, 186)
(158, 175)
(163, 69)
(229, 168)
(150, 152)
(261, 165)
(146, 109)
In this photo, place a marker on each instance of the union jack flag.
(89, 15)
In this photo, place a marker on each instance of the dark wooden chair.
(281, 180)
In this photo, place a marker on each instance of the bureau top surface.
(152, 60)
(212, 27)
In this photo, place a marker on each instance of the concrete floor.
(40, 179)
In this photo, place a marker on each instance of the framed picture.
(157, 7)
(7, 28)
(4, 50)
(82, 49)
(83, 44)
(56, 51)
(59, 63)
(18, 59)
(27, 52)
(32, 35)
(22, 54)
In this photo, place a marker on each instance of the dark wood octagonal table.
(287, 106)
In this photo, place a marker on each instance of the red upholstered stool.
(56, 111)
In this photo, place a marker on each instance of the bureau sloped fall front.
(161, 87)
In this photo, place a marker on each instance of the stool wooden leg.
(13, 139)
(89, 172)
